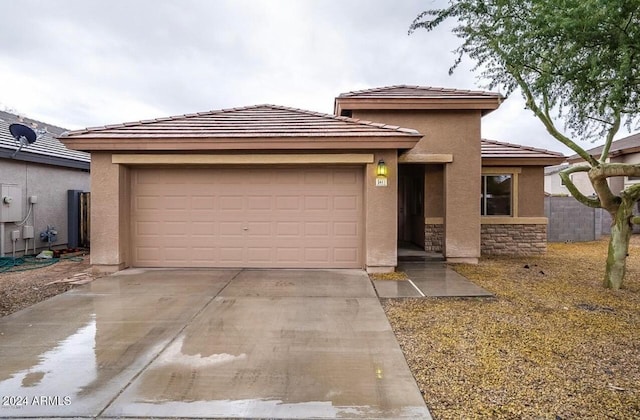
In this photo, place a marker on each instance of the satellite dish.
(23, 135)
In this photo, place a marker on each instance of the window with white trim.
(496, 196)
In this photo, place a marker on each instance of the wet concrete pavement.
(429, 278)
(208, 343)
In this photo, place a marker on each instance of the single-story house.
(42, 172)
(271, 186)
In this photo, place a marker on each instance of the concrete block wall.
(520, 239)
(433, 235)
(570, 221)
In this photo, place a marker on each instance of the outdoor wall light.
(382, 169)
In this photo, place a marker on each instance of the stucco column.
(381, 215)
(109, 214)
(462, 179)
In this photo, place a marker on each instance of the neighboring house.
(45, 170)
(565, 212)
(553, 185)
(270, 186)
(626, 150)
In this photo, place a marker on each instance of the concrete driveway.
(208, 343)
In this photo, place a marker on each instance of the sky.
(84, 63)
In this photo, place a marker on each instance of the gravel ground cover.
(552, 344)
(24, 288)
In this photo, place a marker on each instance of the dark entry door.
(411, 204)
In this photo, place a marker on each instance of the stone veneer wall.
(433, 237)
(513, 239)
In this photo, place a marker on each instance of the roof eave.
(522, 161)
(485, 104)
(25, 156)
(93, 144)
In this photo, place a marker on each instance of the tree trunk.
(621, 230)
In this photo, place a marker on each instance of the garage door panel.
(316, 229)
(344, 177)
(345, 254)
(289, 229)
(288, 255)
(289, 202)
(316, 177)
(231, 203)
(206, 229)
(203, 203)
(250, 217)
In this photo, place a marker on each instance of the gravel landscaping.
(24, 288)
(552, 344)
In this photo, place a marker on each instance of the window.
(495, 195)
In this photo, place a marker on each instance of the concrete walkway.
(208, 343)
(429, 278)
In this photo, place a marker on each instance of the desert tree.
(576, 63)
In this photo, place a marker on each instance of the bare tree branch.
(565, 175)
(548, 123)
(631, 193)
(609, 170)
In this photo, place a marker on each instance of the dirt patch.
(25, 288)
(553, 344)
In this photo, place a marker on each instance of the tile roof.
(412, 92)
(246, 122)
(496, 149)
(47, 146)
(550, 170)
(623, 146)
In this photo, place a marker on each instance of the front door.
(411, 204)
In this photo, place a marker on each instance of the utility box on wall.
(11, 203)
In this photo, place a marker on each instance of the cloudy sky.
(80, 63)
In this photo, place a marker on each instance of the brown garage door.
(247, 217)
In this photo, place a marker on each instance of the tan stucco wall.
(457, 133)
(109, 213)
(50, 184)
(381, 215)
(531, 192)
(434, 191)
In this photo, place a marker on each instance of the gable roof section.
(416, 97)
(253, 127)
(498, 153)
(620, 147)
(47, 150)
